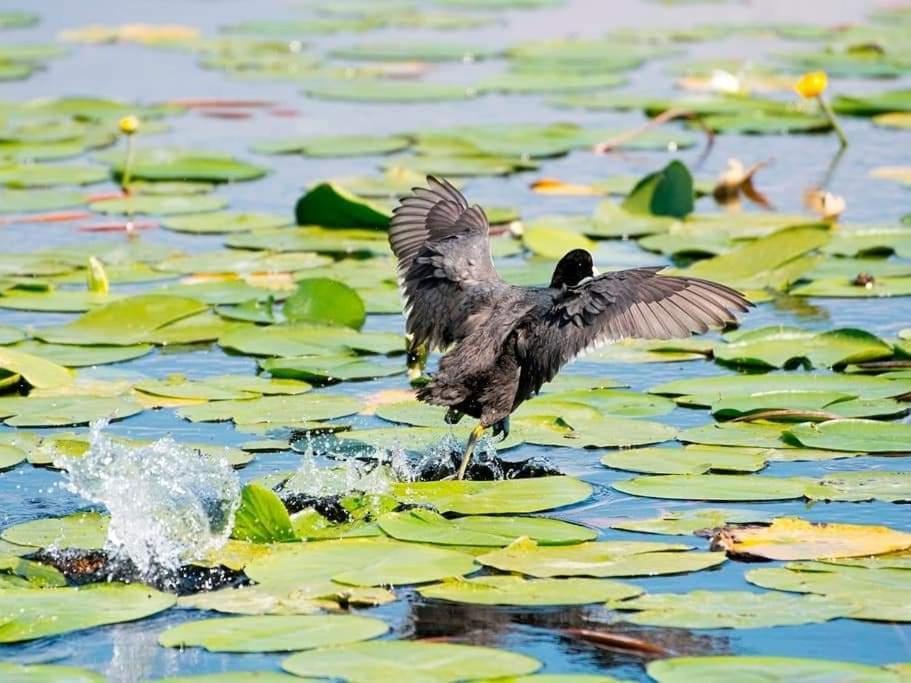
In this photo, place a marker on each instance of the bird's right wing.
(445, 269)
(636, 303)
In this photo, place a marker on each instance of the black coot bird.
(506, 341)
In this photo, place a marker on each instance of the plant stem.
(127, 167)
(827, 110)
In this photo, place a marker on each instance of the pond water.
(130, 651)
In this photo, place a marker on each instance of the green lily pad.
(27, 614)
(870, 105)
(272, 633)
(668, 192)
(47, 673)
(553, 243)
(891, 487)
(401, 660)
(334, 145)
(426, 526)
(602, 432)
(166, 163)
(804, 405)
(178, 386)
(47, 175)
(549, 81)
(514, 496)
(408, 52)
(618, 402)
(160, 205)
(869, 436)
(383, 90)
(27, 201)
(690, 460)
(845, 288)
(10, 456)
(688, 522)
(273, 409)
(768, 669)
(333, 368)
(37, 371)
(74, 356)
(331, 206)
(779, 346)
(575, 53)
(414, 439)
(234, 261)
(322, 240)
(599, 559)
(358, 562)
(84, 530)
(720, 487)
(124, 322)
(234, 676)
(18, 19)
(262, 517)
(65, 410)
(462, 166)
(194, 329)
(55, 301)
(223, 222)
(321, 300)
(611, 220)
(705, 391)
(302, 340)
(516, 590)
(732, 609)
(870, 240)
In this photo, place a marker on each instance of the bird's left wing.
(447, 275)
(636, 303)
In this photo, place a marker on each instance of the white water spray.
(169, 505)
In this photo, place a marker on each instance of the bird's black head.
(574, 267)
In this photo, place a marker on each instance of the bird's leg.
(416, 360)
(453, 416)
(469, 448)
(502, 427)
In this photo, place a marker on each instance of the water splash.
(168, 504)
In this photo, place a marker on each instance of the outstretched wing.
(637, 303)
(447, 275)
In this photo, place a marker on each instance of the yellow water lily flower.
(812, 84)
(129, 124)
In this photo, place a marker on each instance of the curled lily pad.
(796, 539)
(854, 435)
(600, 559)
(262, 517)
(430, 527)
(221, 222)
(690, 460)
(770, 669)
(37, 371)
(494, 497)
(321, 300)
(332, 206)
(409, 660)
(123, 322)
(357, 561)
(732, 609)
(515, 590)
(28, 614)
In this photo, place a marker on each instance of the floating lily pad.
(385, 90)
(165, 163)
(554, 242)
(400, 660)
(549, 81)
(515, 590)
(462, 166)
(804, 405)
(334, 145)
(769, 669)
(85, 530)
(720, 487)
(407, 52)
(74, 356)
(797, 539)
(262, 517)
(427, 526)
(603, 432)
(65, 410)
(780, 346)
(870, 105)
(854, 435)
(322, 240)
(333, 368)
(124, 322)
(732, 609)
(894, 487)
(599, 559)
(846, 288)
(160, 205)
(303, 340)
(691, 460)
(47, 175)
(37, 371)
(273, 409)
(494, 497)
(332, 206)
(222, 222)
(687, 522)
(668, 192)
(47, 673)
(272, 633)
(359, 562)
(28, 614)
(27, 201)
